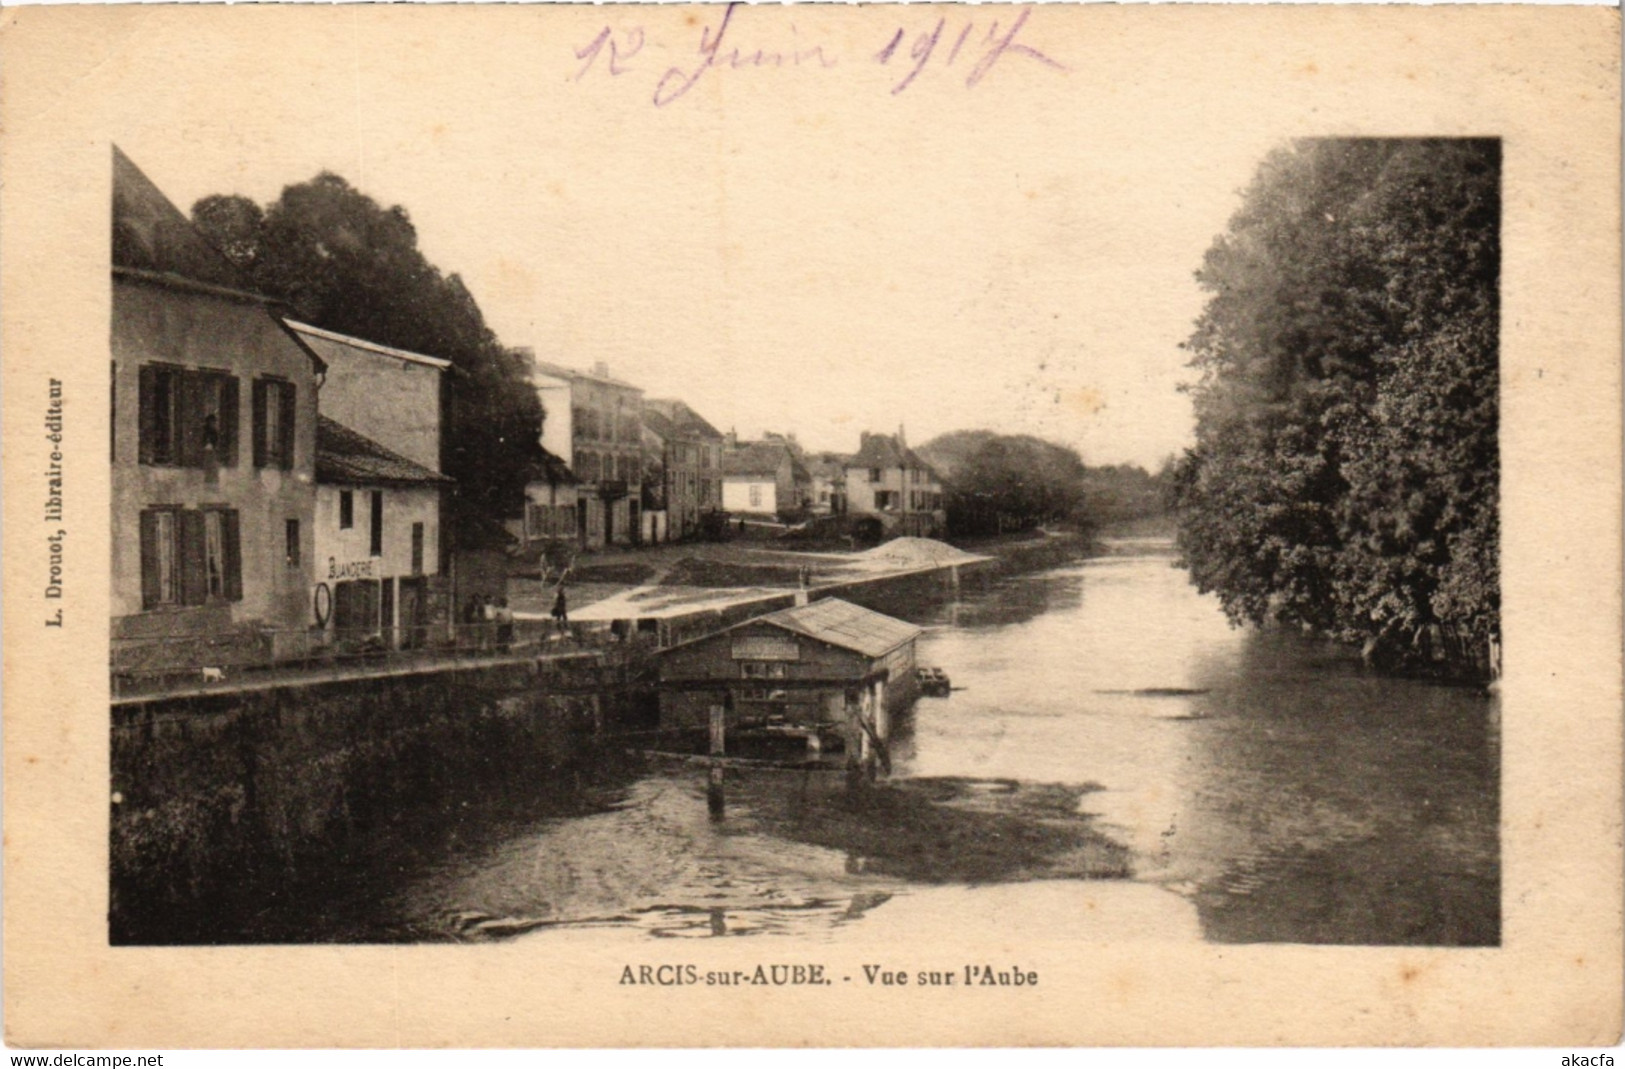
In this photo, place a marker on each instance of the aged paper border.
(1544, 79)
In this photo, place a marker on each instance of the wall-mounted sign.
(765, 648)
(355, 569)
(323, 604)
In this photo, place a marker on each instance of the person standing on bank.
(561, 611)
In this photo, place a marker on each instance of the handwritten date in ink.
(973, 46)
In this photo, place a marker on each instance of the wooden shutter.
(231, 550)
(228, 421)
(260, 386)
(287, 399)
(194, 567)
(148, 410)
(149, 553)
(189, 418)
(386, 606)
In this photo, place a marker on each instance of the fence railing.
(202, 663)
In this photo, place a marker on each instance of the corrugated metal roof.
(841, 623)
(347, 458)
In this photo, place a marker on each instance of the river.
(1115, 762)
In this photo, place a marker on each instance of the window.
(874, 475)
(214, 555)
(188, 417)
(160, 558)
(346, 510)
(763, 670)
(417, 549)
(273, 423)
(377, 543)
(190, 557)
(291, 542)
(755, 494)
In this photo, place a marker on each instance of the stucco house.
(213, 412)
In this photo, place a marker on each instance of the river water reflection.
(1115, 762)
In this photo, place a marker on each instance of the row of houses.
(273, 483)
(645, 470)
(276, 482)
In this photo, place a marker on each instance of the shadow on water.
(946, 829)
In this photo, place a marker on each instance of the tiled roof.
(885, 451)
(346, 458)
(683, 419)
(827, 465)
(656, 423)
(547, 367)
(550, 469)
(151, 234)
(841, 623)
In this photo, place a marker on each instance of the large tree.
(1345, 474)
(994, 482)
(348, 264)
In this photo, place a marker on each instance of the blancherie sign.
(355, 569)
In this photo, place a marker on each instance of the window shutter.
(228, 421)
(286, 393)
(148, 413)
(377, 548)
(194, 578)
(232, 551)
(259, 422)
(149, 553)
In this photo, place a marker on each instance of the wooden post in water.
(713, 790)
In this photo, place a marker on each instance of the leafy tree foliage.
(1345, 475)
(994, 483)
(346, 263)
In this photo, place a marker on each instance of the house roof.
(841, 623)
(684, 420)
(156, 244)
(551, 470)
(656, 423)
(346, 458)
(754, 458)
(151, 234)
(547, 367)
(326, 342)
(827, 465)
(885, 451)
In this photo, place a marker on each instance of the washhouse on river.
(826, 668)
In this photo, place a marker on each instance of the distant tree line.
(345, 263)
(1000, 483)
(1345, 474)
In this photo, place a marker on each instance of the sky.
(793, 247)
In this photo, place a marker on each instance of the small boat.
(933, 682)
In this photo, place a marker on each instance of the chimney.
(902, 440)
(601, 369)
